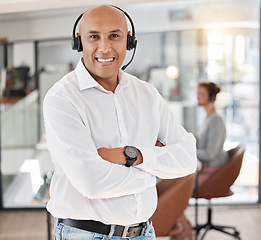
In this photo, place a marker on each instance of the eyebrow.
(96, 32)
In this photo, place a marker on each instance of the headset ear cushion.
(212, 98)
(130, 42)
(74, 43)
(79, 44)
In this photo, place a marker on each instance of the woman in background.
(212, 133)
(210, 140)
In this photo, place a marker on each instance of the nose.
(104, 45)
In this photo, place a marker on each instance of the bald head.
(105, 14)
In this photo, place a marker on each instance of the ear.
(128, 32)
(78, 34)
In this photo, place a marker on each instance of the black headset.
(212, 93)
(212, 98)
(131, 39)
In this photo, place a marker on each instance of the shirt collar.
(84, 78)
(86, 81)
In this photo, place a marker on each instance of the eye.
(93, 36)
(114, 35)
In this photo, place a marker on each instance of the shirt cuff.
(149, 159)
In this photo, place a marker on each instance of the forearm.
(116, 156)
(171, 161)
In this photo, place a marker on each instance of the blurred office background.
(179, 44)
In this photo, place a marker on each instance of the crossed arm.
(116, 155)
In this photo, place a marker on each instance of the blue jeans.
(64, 232)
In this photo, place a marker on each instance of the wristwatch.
(131, 153)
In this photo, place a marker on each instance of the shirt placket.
(124, 142)
(121, 122)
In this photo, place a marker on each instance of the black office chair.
(218, 185)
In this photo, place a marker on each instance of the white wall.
(24, 55)
(147, 17)
(36, 29)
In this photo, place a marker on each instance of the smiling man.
(109, 135)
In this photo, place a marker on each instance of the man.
(102, 126)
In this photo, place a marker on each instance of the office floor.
(31, 225)
(245, 218)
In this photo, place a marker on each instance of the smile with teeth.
(105, 60)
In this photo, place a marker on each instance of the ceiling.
(19, 10)
(13, 10)
(18, 6)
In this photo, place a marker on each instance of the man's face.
(104, 38)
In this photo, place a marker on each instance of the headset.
(212, 92)
(131, 39)
(212, 98)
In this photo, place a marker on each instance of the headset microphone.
(126, 65)
(131, 39)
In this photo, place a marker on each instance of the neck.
(210, 108)
(108, 84)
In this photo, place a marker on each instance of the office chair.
(218, 185)
(173, 197)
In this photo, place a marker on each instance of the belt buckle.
(126, 230)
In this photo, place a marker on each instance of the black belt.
(99, 227)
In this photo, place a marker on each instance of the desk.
(10, 100)
(6, 102)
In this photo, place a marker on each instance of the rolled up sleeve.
(178, 156)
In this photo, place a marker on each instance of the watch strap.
(129, 160)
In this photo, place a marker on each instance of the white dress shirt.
(81, 117)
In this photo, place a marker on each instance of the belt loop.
(148, 224)
(56, 221)
(111, 231)
(147, 227)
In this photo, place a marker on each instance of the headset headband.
(75, 25)
(128, 16)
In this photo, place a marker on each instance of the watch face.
(132, 152)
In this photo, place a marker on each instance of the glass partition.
(1, 56)
(233, 62)
(23, 167)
